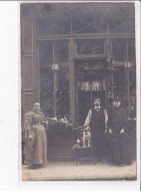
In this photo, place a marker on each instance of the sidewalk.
(84, 171)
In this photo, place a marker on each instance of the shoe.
(122, 165)
(129, 163)
(103, 161)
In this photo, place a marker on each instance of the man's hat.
(117, 98)
(96, 98)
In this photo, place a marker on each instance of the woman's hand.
(122, 131)
(110, 131)
(31, 136)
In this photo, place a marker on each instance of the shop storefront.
(71, 53)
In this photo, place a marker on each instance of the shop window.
(54, 76)
(119, 82)
(46, 91)
(119, 49)
(61, 51)
(131, 51)
(46, 53)
(57, 105)
(51, 52)
(123, 50)
(63, 101)
(90, 46)
(124, 75)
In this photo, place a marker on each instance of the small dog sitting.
(84, 136)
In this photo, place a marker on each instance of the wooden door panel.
(28, 73)
(27, 30)
(29, 99)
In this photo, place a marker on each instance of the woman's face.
(116, 103)
(36, 107)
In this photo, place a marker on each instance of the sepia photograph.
(78, 91)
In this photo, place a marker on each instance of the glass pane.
(122, 19)
(47, 91)
(131, 51)
(55, 20)
(61, 51)
(90, 46)
(118, 77)
(62, 92)
(132, 77)
(119, 82)
(121, 25)
(46, 52)
(63, 100)
(85, 18)
(88, 24)
(119, 49)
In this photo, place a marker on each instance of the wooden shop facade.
(71, 52)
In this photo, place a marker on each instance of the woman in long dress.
(119, 129)
(36, 142)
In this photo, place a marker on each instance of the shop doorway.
(90, 83)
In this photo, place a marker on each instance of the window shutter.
(29, 73)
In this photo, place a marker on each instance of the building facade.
(72, 52)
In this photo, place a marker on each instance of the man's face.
(116, 103)
(36, 107)
(97, 102)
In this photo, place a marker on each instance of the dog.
(84, 136)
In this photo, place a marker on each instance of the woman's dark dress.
(118, 120)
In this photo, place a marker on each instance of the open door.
(90, 83)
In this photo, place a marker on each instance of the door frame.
(107, 78)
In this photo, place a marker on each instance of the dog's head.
(86, 128)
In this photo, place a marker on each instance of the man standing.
(97, 120)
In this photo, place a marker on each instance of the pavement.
(85, 170)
